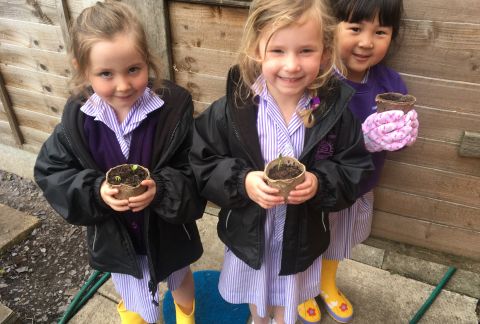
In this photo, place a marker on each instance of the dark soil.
(40, 276)
(126, 174)
(285, 171)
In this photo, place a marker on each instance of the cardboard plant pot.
(284, 173)
(127, 178)
(394, 101)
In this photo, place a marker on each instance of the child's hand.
(139, 202)
(389, 131)
(411, 120)
(107, 193)
(304, 191)
(260, 192)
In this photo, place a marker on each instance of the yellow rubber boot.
(337, 305)
(128, 317)
(183, 318)
(309, 312)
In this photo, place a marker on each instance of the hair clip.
(307, 113)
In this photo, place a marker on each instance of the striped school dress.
(264, 288)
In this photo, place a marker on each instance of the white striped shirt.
(103, 112)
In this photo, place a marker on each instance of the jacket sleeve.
(177, 199)
(339, 176)
(72, 190)
(220, 175)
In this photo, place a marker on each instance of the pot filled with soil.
(394, 101)
(127, 178)
(284, 173)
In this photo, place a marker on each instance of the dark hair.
(390, 12)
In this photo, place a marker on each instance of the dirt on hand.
(40, 276)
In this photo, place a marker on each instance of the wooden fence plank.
(5, 132)
(43, 12)
(464, 11)
(203, 88)
(432, 183)
(8, 109)
(231, 3)
(447, 126)
(43, 83)
(444, 94)
(34, 138)
(213, 27)
(440, 50)
(199, 60)
(436, 154)
(37, 121)
(64, 20)
(34, 101)
(199, 107)
(426, 234)
(21, 33)
(427, 209)
(34, 59)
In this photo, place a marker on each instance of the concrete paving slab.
(381, 297)
(7, 316)
(17, 161)
(464, 282)
(98, 309)
(15, 226)
(369, 255)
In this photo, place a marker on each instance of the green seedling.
(118, 178)
(280, 162)
(134, 167)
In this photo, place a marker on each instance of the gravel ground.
(40, 276)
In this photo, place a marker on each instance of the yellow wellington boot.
(309, 312)
(128, 317)
(337, 305)
(183, 318)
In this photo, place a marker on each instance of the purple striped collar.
(101, 110)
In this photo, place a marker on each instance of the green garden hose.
(88, 289)
(433, 295)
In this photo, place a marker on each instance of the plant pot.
(127, 178)
(394, 101)
(284, 184)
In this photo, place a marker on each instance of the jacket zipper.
(228, 218)
(94, 238)
(323, 222)
(186, 231)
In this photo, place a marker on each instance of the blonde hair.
(273, 15)
(104, 21)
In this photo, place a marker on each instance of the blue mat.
(210, 308)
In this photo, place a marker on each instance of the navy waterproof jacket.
(226, 147)
(71, 180)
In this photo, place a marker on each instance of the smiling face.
(362, 45)
(117, 72)
(291, 59)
